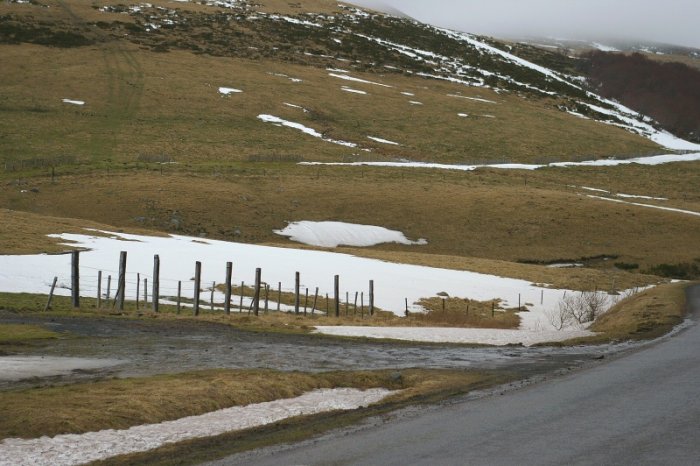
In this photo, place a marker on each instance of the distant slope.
(668, 92)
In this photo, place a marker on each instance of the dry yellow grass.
(140, 102)
(483, 215)
(122, 403)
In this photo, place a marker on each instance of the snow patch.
(334, 234)
(73, 102)
(73, 449)
(358, 80)
(477, 99)
(354, 91)
(229, 90)
(651, 160)
(383, 141)
(669, 209)
(304, 129)
(497, 337)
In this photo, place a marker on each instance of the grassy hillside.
(157, 145)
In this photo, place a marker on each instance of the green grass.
(23, 333)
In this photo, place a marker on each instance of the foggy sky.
(671, 21)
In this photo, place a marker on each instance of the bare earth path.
(643, 408)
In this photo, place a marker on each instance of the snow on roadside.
(72, 449)
(334, 234)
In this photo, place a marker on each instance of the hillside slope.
(148, 74)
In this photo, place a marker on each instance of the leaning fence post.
(313, 307)
(75, 278)
(99, 289)
(197, 283)
(211, 299)
(354, 310)
(296, 293)
(256, 297)
(121, 283)
(336, 290)
(227, 299)
(156, 282)
(371, 297)
(48, 302)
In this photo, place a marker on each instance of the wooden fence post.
(306, 300)
(53, 286)
(313, 307)
(279, 295)
(109, 287)
(99, 289)
(371, 297)
(145, 291)
(347, 302)
(240, 300)
(121, 281)
(179, 294)
(75, 278)
(211, 298)
(267, 295)
(296, 293)
(336, 290)
(156, 282)
(138, 287)
(256, 297)
(327, 308)
(354, 310)
(362, 304)
(227, 299)
(406, 306)
(197, 283)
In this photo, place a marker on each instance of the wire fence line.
(112, 288)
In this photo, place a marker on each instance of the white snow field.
(334, 234)
(73, 449)
(393, 283)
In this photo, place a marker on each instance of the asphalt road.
(643, 408)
